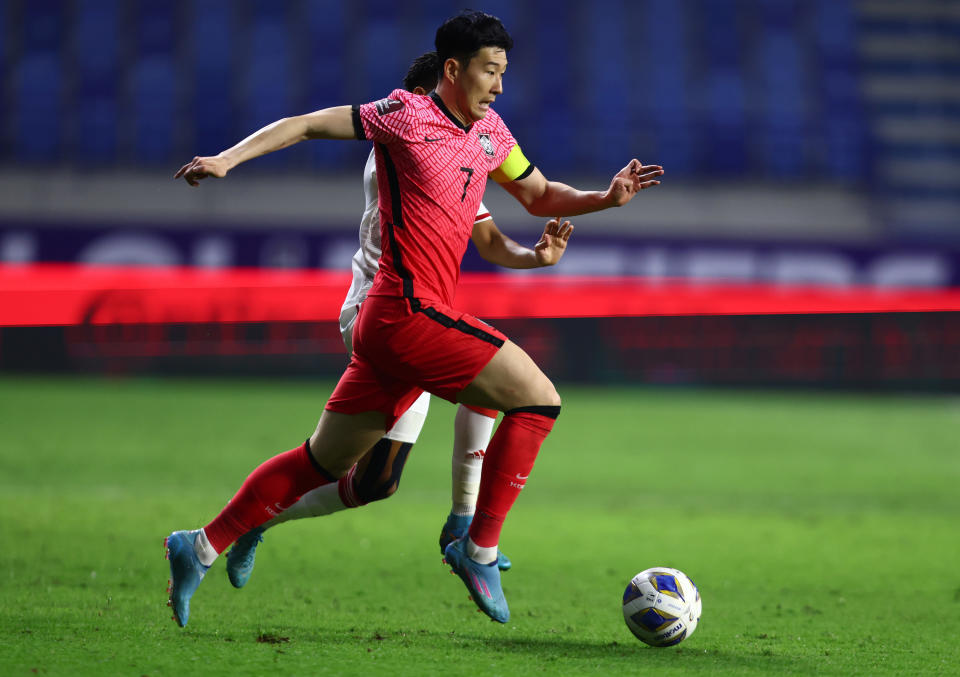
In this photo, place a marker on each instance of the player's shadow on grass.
(691, 656)
(569, 648)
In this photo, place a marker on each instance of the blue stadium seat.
(555, 124)
(213, 106)
(664, 97)
(782, 125)
(784, 80)
(155, 88)
(842, 118)
(155, 27)
(38, 82)
(154, 95)
(5, 103)
(38, 105)
(326, 45)
(270, 73)
(98, 127)
(383, 68)
(324, 73)
(723, 89)
(95, 45)
(42, 27)
(602, 81)
(95, 56)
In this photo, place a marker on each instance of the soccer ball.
(661, 606)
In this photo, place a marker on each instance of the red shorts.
(402, 347)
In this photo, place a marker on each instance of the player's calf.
(507, 465)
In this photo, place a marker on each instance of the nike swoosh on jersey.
(429, 140)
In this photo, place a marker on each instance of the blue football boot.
(482, 580)
(186, 572)
(241, 557)
(456, 527)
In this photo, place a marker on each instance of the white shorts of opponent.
(408, 426)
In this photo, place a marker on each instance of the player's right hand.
(201, 167)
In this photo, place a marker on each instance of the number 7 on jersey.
(469, 171)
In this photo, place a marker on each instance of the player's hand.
(631, 180)
(553, 242)
(201, 167)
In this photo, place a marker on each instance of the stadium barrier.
(68, 295)
(630, 330)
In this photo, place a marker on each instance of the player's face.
(481, 82)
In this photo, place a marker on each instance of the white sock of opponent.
(323, 500)
(471, 434)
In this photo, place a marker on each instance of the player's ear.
(451, 69)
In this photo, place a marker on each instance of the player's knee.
(547, 394)
(377, 493)
(380, 477)
(542, 395)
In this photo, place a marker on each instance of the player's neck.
(447, 97)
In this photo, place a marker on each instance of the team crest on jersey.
(486, 144)
(385, 106)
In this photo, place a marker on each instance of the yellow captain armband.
(516, 166)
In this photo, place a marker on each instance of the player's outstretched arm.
(541, 197)
(329, 123)
(500, 250)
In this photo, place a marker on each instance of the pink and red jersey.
(431, 175)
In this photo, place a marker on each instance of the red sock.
(506, 466)
(273, 487)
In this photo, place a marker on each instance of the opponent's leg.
(513, 383)
(472, 428)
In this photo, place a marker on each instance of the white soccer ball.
(661, 606)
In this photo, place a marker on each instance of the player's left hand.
(200, 168)
(631, 180)
(553, 242)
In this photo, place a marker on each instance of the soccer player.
(433, 157)
(377, 475)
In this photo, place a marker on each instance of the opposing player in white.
(377, 475)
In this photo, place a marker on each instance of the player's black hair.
(462, 36)
(422, 72)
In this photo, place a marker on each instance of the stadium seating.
(96, 55)
(38, 83)
(789, 90)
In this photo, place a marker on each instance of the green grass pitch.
(822, 529)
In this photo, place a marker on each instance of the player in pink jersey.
(377, 475)
(433, 158)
